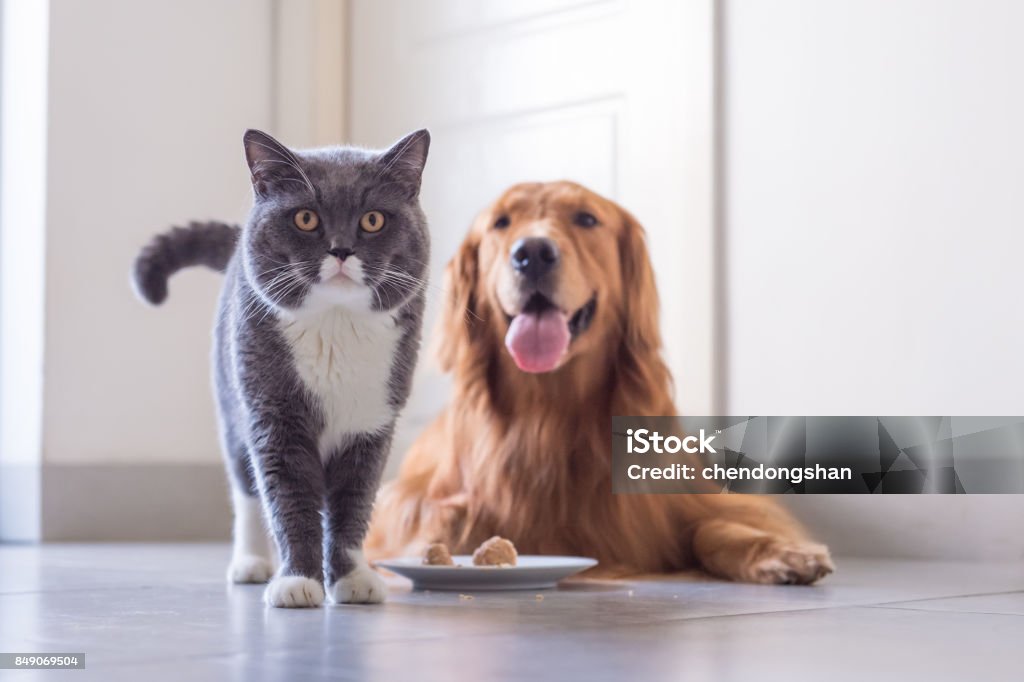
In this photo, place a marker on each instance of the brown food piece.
(495, 552)
(437, 554)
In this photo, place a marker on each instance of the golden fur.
(528, 456)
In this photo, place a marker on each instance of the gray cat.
(316, 338)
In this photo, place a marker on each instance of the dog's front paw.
(361, 586)
(786, 562)
(294, 592)
(249, 568)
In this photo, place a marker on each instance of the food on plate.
(495, 552)
(437, 554)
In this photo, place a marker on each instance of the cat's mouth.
(347, 273)
(539, 335)
(340, 277)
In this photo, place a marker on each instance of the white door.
(615, 95)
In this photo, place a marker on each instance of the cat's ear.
(405, 160)
(272, 165)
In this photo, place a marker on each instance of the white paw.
(294, 592)
(361, 586)
(249, 568)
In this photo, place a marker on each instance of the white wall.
(135, 124)
(23, 56)
(148, 104)
(120, 119)
(874, 206)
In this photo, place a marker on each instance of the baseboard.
(189, 502)
(125, 502)
(954, 527)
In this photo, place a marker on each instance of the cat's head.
(337, 226)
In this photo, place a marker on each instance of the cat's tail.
(210, 244)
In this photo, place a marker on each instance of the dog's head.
(554, 270)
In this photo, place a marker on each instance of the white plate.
(531, 572)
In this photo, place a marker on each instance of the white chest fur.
(345, 361)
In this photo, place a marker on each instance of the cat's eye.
(584, 219)
(502, 222)
(306, 220)
(372, 221)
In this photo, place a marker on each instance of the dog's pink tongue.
(538, 340)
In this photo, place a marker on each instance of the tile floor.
(156, 612)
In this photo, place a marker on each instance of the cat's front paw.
(361, 586)
(294, 592)
(249, 568)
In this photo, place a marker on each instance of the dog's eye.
(584, 219)
(501, 223)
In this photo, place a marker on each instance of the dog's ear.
(642, 330)
(644, 376)
(461, 323)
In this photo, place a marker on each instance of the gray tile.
(163, 612)
(1009, 604)
(836, 644)
(60, 567)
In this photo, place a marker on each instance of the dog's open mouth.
(539, 336)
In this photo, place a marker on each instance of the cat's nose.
(341, 253)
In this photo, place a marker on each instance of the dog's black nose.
(534, 257)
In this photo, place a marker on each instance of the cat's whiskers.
(400, 276)
(270, 308)
(284, 288)
(274, 260)
(292, 264)
(279, 267)
(296, 278)
(400, 287)
(380, 303)
(279, 284)
(256, 300)
(388, 284)
(397, 280)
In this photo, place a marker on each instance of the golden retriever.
(550, 328)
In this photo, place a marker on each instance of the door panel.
(591, 91)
